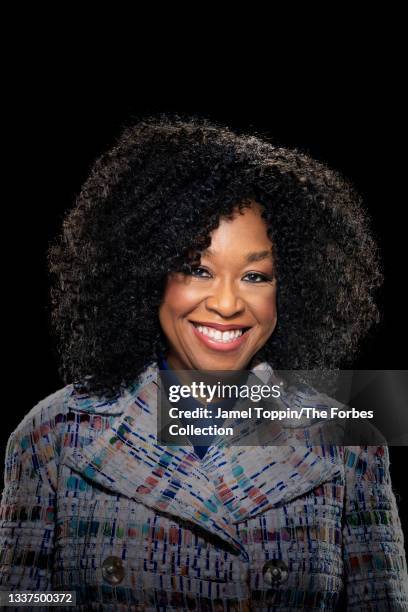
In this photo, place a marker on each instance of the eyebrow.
(249, 257)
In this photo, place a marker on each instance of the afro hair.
(148, 208)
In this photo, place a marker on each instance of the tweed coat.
(93, 503)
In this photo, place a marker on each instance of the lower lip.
(220, 346)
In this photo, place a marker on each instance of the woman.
(194, 248)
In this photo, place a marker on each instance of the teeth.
(218, 335)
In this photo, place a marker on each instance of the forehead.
(244, 232)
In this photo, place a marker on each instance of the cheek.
(179, 299)
(264, 309)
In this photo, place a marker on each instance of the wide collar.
(231, 483)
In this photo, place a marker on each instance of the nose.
(225, 300)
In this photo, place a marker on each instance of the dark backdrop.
(60, 125)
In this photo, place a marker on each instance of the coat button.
(275, 572)
(113, 570)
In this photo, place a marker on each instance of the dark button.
(275, 572)
(113, 570)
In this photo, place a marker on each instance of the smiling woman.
(218, 316)
(194, 248)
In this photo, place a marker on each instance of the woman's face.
(221, 314)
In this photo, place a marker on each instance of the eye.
(200, 272)
(257, 277)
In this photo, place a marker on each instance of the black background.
(62, 119)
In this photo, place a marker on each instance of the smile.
(220, 337)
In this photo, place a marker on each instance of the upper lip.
(220, 326)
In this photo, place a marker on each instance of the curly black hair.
(148, 208)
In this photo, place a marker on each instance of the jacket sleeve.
(28, 505)
(373, 543)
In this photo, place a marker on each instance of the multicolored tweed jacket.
(93, 503)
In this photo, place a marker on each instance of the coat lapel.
(231, 484)
(272, 464)
(127, 459)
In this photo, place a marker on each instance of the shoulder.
(367, 464)
(33, 446)
(34, 443)
(44, 418)
(43, 415)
